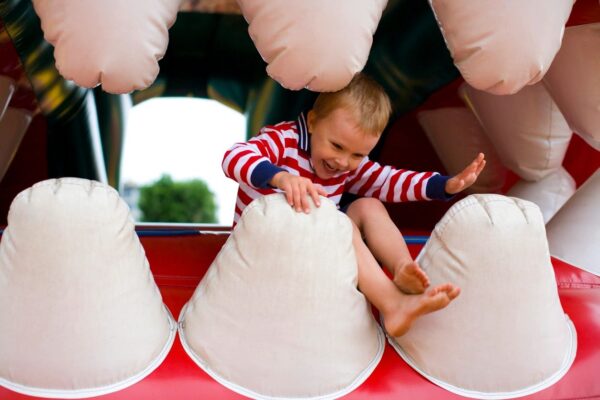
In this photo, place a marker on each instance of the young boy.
(326, 153)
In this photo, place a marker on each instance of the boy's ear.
(310, 120)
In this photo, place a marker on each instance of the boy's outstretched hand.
(296, 189)
(467, 177)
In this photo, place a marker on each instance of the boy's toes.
(454, 293)
(411, 279)
(447, 289)
(414, 269)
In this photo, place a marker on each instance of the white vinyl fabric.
(7, 88)
(527, 129)
(457, 138)
(506, 335)
(80, 313)
(278, 314)
(574, 82)
(549, 193)
(111, 42)
(574, 232)
(335, 35)
(13, 126)
(502, 46)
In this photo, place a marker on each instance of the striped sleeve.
(256, 161)
(389, 184)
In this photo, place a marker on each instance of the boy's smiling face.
(337, 143)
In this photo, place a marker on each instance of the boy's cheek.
(353, 165)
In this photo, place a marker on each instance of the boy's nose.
(342, 162)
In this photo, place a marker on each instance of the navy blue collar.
(304, 141)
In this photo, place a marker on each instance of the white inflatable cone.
(527, 129)
(574, 83)
(500, 47)
(574, 232)
(549, 193)
(80, 313)
(118, 43)
(506, 335)
(278, 314)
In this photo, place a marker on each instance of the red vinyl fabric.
(179, 262)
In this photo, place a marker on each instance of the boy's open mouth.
(329, 168)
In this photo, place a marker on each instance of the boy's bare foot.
(399, 318)
(410, 278)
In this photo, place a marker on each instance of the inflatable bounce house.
(93, 305)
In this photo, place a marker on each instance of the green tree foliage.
(168, 201)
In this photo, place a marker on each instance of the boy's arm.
(256, 161)
(389, 184)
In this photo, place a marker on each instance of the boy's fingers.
(288, 195)
(304, 198)
(306, 203)
(315, 196)
(299, 192)
(481, 166)
(465, 171)
(477, 159)
(321, 190)
(300, 196)
(297, 198)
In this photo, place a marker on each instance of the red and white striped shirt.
(286, 147)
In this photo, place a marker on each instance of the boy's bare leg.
(399, 310)
(387, 244)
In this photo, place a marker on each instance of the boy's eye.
(337, 146)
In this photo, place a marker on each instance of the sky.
(185, 138)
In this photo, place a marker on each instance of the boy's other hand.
(467, 177)
(296, 189)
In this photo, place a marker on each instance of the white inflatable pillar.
(314, 44)
(278, 314)
(527, 129)
(574, 232)
(502, 46)
(113, 43)
(549, 193)
(574, 82)
(80, 313)
(506, 335)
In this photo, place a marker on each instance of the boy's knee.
(365, 206)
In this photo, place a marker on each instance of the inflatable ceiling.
(517, 80)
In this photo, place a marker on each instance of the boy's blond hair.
(363, 97)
